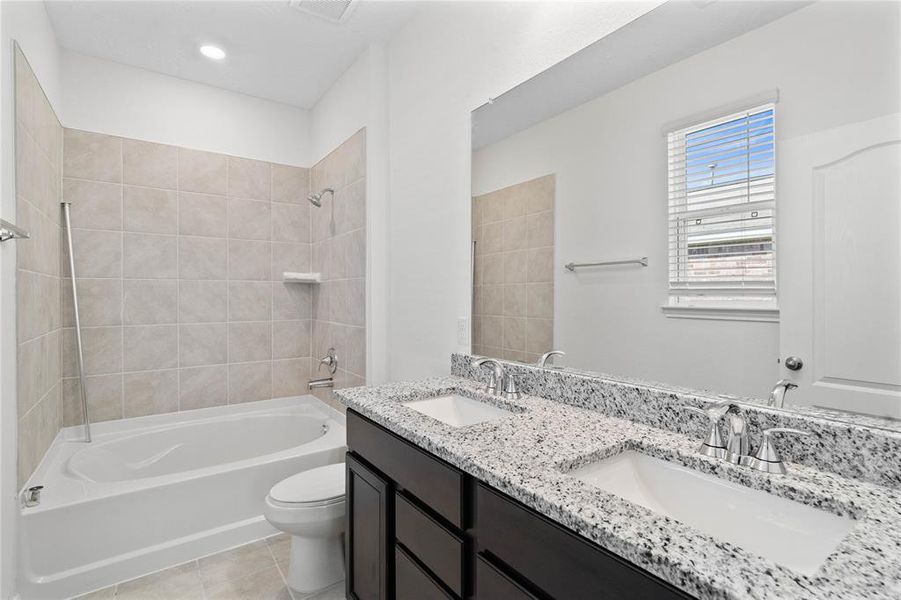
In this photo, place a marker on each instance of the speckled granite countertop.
(528, 455)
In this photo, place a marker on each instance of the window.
(722, 198)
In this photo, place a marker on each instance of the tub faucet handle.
(330, 360)
(32, 496)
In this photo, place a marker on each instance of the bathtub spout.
(325, 382)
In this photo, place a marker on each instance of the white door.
(839, 266)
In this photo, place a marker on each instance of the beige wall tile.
(95, 205)
(539, 335)
(249, 219)
(92, 156)
(149, 164)
(514, 202)
(515, 234)
(249, 260)
(492, 331)
(27, 91)
(289, 257)
(202, 258)
(492, 208)
(36, 430)
(99, 301)
(40, 252)
(515, 334)
(97, 253)
(493, 268)
(202, 301)
(355, 254)
(290, 184)
(202, 387)
(540, 267)
(202, 214)
(492, 299)
(249, 342)
(150, 302)
(541, 230)
(151, 347)
(104, 395)
(101, 347)
(291, 222)
(540, 194)
(203, 344)
(355, 344)
(493, 237)
(249, 301)
(38, 368)
(290, 377)
(541, 300)
(150, 210)
(515, 266)
(249, 381)
(201, 171)
(515, 300)
(291, 301)
(40, 293)
(150, 256)
(291, 339)
(248, 178)
(150, 393)
(350, 207)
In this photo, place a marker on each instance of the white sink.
(788, 533)
(458, 411)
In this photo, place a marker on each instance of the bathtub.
(153, 492)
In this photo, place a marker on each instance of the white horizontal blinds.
(721, 208)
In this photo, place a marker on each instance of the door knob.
(793, 363)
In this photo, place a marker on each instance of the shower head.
(316, 199)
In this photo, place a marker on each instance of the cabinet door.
(369, 544)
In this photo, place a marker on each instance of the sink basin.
(458, 411)
(788, 533)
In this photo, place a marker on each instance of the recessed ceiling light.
(213, 52)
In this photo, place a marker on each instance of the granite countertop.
(528, 455)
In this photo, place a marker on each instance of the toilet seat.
(316, 487)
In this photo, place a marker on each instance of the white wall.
(28, 24)
(443, 64)
(116, 99)
(833, 63)
(359, 98)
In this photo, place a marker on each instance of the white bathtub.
(153, 492)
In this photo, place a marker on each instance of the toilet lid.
(315, 485)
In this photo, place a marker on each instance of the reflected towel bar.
(643, 261)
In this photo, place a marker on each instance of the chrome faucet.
(542, 362)
(32, 496)
(777, 396)
(737, 448)
(501, 383)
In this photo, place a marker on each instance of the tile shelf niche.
(292, 277)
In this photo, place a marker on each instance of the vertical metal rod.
(79, 354)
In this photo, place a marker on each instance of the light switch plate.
(462, 330)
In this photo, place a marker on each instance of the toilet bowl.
(309, 507)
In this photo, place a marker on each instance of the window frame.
(733, 303)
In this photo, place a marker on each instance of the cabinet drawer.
(554, 559)
(437, 547)
(492, 583)
(412, 583)
(433, 481)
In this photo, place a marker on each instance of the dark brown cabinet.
(419, 528)
(369, 547)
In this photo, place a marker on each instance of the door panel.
(369, 541)
(840, 266)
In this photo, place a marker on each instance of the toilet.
(309, 507)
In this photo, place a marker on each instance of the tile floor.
(254, 571)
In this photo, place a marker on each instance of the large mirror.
(709, 198)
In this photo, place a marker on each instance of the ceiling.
(274, 50)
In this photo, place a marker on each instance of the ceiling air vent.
(336, 11)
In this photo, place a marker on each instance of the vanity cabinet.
(418, 528)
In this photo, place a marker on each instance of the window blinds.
(722, 200)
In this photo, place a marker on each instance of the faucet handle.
(497, 373)
(542, 362)
(767, 458)
(713, 444)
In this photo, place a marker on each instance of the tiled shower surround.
(179, 257)
(513, 284)
(339, 253)
(38, 163)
